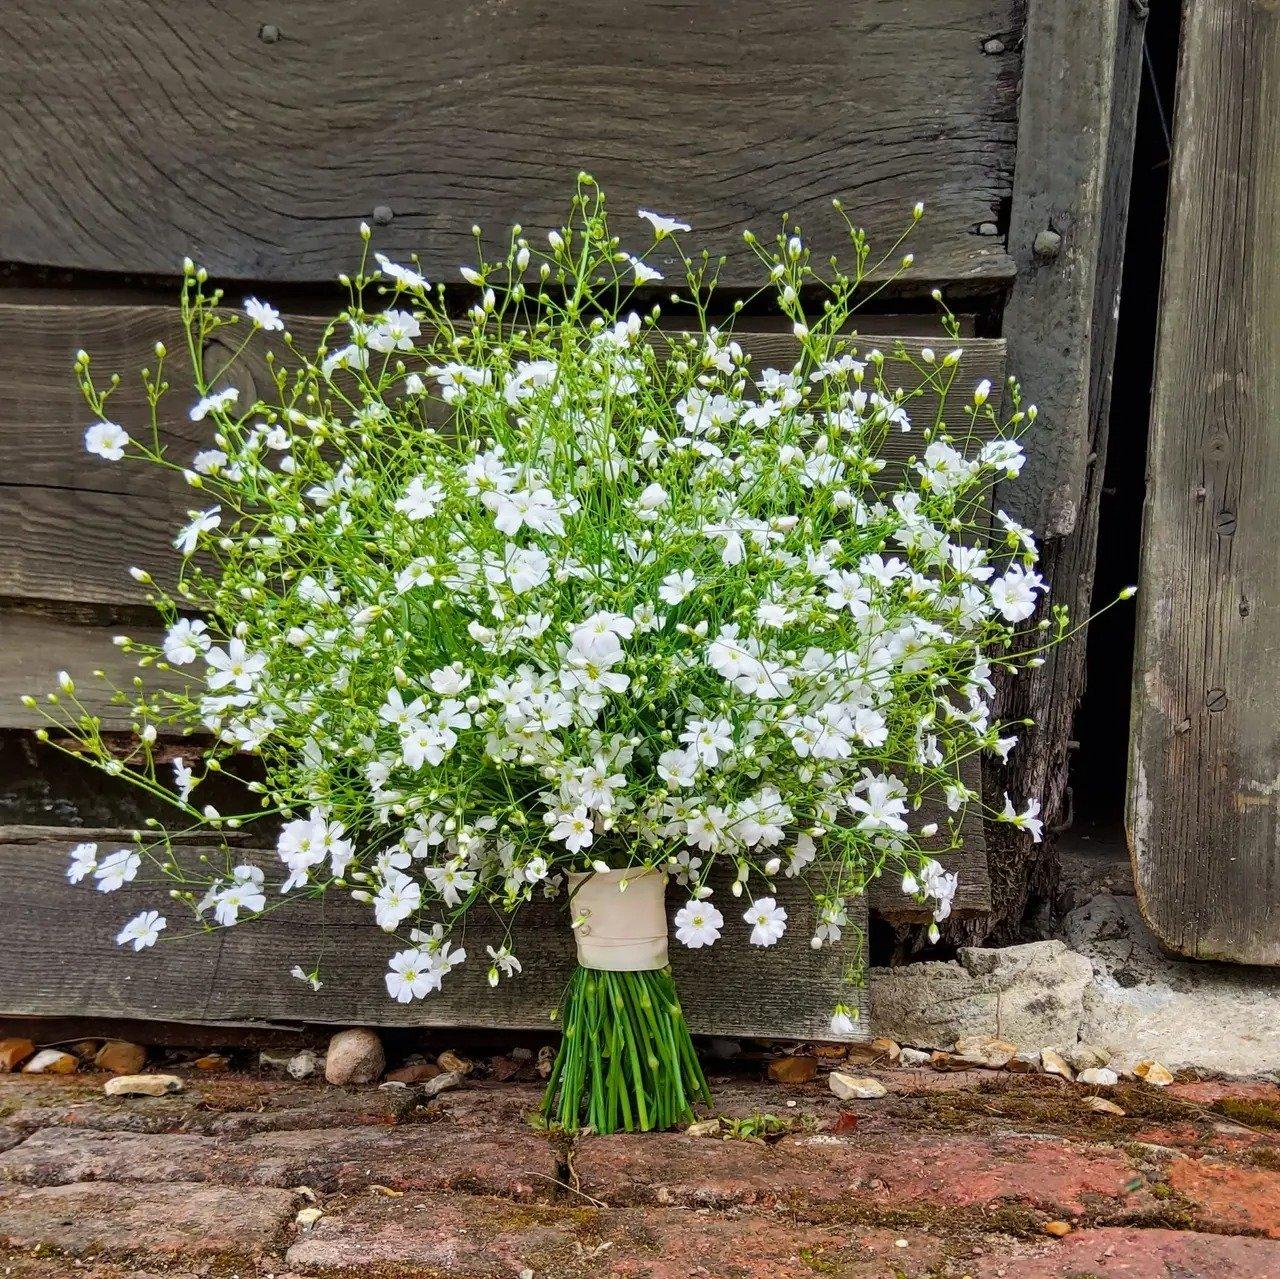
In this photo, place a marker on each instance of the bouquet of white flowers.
(544, 594)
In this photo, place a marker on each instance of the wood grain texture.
(35, 646)
(134, 134)
(1039, 767)
(1069, 125)
(1204, 779)
(71, 525)
(241, 974)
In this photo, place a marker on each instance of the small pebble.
(1054, 1063)
(308, 1216)
(985, 1050)
(793, 1070)
(1058, 1229)
(854, 1087)
(120, 1057)
(13, 1052)
(1047, 244)
(355, 1057)
(1083, 1056)
(302, 1065)
(142, 1085)
(51, 1061)
(433, 1087)
(451, 1061)
(1101, 1106)
(913, 1057)
(1154, 1072)
(416, 1072)
(886, 1048)
(1099, 1076)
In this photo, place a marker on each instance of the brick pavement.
(947, 1176)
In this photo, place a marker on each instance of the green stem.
(626, 1060)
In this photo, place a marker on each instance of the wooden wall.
(1204, 781)
(255, 137)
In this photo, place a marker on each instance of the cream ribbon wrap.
(622, 931)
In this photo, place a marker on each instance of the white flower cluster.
(544, 589)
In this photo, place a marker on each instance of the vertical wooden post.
(1081, 71)
(1204, 778)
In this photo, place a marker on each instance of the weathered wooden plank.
(72, 525)
(35, 646)
(1080, 95)
(132, 137)
(241, 974)
(1072, 135)
(1204, 779)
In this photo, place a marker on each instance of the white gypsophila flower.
(663, 226)
(397, 899)
(492, 597)
(201, 522)
(677, 587)
(214, 403)
(698, 923)
(310, 978)
(183, 778)
(644, 274)
(142, 930)
(263, 315)
(393, 331)
(186, 640)
(504, 964)
(116, 869)
(1014, 593)
(107, 440)
(842, 1023)
(405, 277)
(1028, 820)
(84, 859)
(411, 976)
(768, 921)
